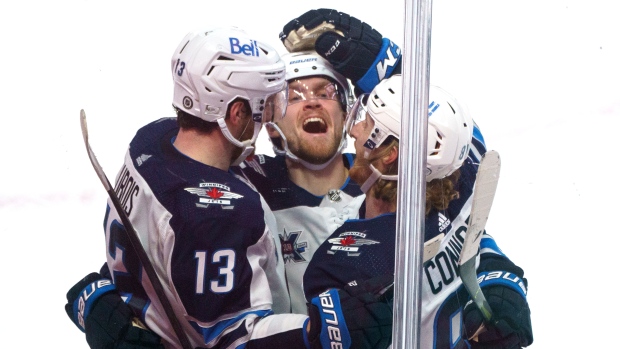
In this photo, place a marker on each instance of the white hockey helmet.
(450, 126)
(306, 64)
(213, 67)
(450, 129)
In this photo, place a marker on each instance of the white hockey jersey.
(304, 220)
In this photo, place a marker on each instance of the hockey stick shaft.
(484, 192)
(135, 240)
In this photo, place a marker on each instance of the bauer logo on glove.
(82, 305)
(333, 320)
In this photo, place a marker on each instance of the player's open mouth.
(315, 125)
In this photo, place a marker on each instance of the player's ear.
(391, 156)
(238, 112)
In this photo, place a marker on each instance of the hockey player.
(361, 249)
(207, 232)
(306, 184)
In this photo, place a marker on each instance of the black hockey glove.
(354, 48)
(510, 326)
(96, 308)
(357, 317)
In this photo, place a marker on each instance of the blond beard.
(313, 154)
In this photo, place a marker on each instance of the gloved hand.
(96, 308)
(358, 316)
(354, 48)
(510, 326)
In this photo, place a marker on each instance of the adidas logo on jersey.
(142, 159)
(444, 222)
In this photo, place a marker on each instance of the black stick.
(135, 241)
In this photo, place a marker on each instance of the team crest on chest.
(349, 242)
(292, 248)
(214, 193)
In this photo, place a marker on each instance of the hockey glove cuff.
(358, 316)
(387, 61)
(510, 326)
(82, 297)
(328, 328)
(97, 309)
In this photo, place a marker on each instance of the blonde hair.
(439, 192)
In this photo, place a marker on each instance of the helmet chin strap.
(246, 145)
(313, 167)
(374, 177)
(244, 155)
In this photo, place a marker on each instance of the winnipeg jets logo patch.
(214, 193)
(350, 242)
(292, 248)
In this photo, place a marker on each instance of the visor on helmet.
(299, 91)
(274, 106)
(357, 113)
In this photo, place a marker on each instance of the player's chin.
(319, 150)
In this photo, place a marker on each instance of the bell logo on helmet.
(247, 49)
